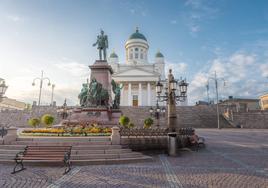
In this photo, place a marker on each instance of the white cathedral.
(137, 76)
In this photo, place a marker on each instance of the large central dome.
(137, 35)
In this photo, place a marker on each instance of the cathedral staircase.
(85, 150)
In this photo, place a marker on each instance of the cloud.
(174, 22)
(264, 70)
(200, 11)
(72, 67)
(178, 68)
(14, 18)
(241, 72)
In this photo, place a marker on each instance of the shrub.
(124, 121)
(131, 125)
(47, 119)
(34, 122)
(148, 123)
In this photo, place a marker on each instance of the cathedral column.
(129, 95)
(140, 95)
(149, 93)
(122, 95)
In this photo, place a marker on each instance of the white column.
(122, 95)
(129, 95)
(149, 93)
(140, 95)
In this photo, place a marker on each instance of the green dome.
(159, 54)
(113, 55)
(137, 35)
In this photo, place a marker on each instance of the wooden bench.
(41, 154)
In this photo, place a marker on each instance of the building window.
(131, 56)
(135, 100)
(136, 55)
(141, 55)
(136, 49)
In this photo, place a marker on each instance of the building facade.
(264, 102)
(137, 76)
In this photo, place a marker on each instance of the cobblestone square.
(233, 158)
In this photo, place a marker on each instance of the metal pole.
(217, 98)
(40, 90)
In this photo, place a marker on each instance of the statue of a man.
(83, 94)
(117, 92)
(102, 45)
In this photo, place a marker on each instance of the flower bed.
(75, 131)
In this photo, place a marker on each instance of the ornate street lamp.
(41, 85)
(171, 97)
(216, 80)
(3, 88)
(156, 112)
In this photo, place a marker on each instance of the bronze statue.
(117, 90)
(102, 42)
(93, 94)
(83, 94)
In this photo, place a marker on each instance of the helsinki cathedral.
(137, 76)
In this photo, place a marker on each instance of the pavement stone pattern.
(233, 158)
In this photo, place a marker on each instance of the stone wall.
(251, 119)
(19, 118)
(187, 116)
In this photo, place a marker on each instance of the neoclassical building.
(137, 76)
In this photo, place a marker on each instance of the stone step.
(86, 161)
(88, 156)
(84, 147)
(58, 143)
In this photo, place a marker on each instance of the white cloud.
(14, 18)
(264, 70)
(241, 73)
(178, 69)
(200, 11)
(72, 67)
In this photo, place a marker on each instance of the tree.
(34, 122)
(47, 119)
(124, 121)
(148, 123)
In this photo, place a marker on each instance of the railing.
(141, 132)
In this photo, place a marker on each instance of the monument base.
(100, 116)
(102, 72)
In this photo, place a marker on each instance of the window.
(131, 56)
(136, 55)
(141, 55)
(136, 49)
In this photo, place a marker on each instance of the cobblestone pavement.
(232, 159)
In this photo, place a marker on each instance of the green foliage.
(34, 122)
(131, 125)
(124, 121)
(148, 123)
(47, 119)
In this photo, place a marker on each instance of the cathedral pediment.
(136, 72)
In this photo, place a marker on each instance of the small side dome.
(137, 35)
(113, 55)
(159, 54)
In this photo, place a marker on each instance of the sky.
(197, 38)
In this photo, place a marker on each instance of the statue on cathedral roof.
(102, 45)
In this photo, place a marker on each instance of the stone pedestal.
(115, 137)
(102, 72)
